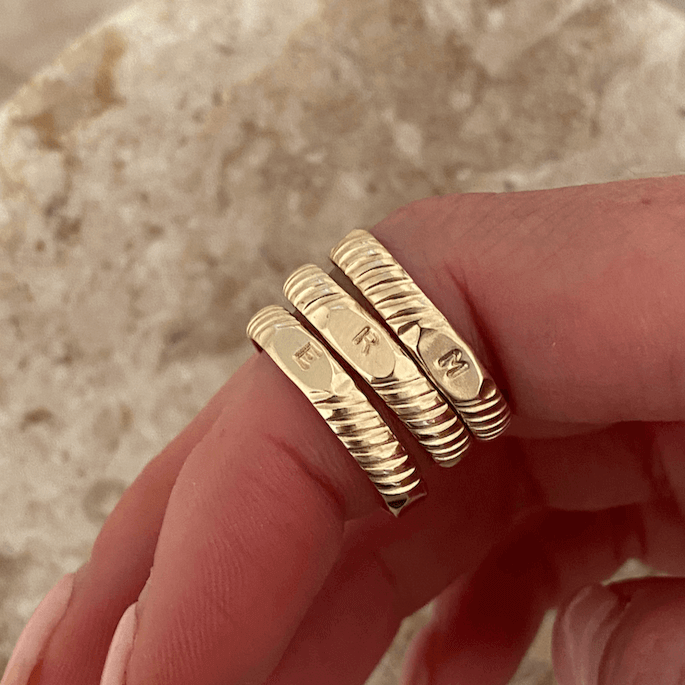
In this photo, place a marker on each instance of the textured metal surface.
(425, 332)
(310, 366)
(373, 353)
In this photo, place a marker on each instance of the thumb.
(630, 633)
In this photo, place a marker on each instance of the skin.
(272, 560)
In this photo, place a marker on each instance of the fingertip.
(581, 631)
(114, 672)
(623, 633)
(37, 632)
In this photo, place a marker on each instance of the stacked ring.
(447, 360)
(418, 366)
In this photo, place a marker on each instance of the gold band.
(312, 368)
(426, 334)
(372, 352)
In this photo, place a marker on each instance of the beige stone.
(32, 32)
(161, 178)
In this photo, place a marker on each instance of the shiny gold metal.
(365, 344)
(425, 332)
(312, 368)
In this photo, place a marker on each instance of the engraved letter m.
(453, 362)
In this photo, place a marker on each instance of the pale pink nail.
(37, 632)
(581, 633)
(120, 649)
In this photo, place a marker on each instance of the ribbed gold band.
(426, 334)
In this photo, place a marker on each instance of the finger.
(481, 629)
(574, 298)
(123, 556)
(253, 526)
(456, 543)
(617, 466)
(388, 571)
(631, 632)
(112, 579)
(348, 627)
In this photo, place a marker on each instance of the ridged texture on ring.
(373, 353)
(407, 310)
(488, 416)
(344, 407)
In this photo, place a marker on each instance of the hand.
(269, 557)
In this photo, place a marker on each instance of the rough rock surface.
(161, 178)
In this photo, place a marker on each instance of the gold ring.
(312, 368)
(372, 352)
(426, 334)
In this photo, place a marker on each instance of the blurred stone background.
(161, 177)
(32, 32)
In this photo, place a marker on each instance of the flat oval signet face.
(452, 365)
(362, 342)
(304, 357)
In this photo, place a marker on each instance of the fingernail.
(120, 649)
(37, 632)
(582, 632)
